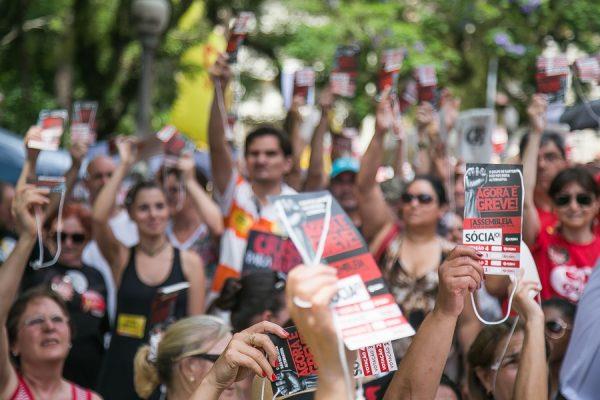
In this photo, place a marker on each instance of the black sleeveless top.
(134, 299)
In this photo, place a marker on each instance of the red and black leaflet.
(266, 250)
(304, 81)
(493, 215)
(366, 312)
(297, 370)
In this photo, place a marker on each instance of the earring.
(192, 379)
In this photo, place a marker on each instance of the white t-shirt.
(125, 230)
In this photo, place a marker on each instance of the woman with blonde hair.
(198, 358)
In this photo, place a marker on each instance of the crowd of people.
(79, 275)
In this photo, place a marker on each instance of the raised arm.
(532, 376)
(28, 174)
(374, 211)
(206, 207)
(315, 176)
(27, 199)
(537, 119)
(292, 123)
(420, 371)
(317, 285)
(220, 154)
(113, 250)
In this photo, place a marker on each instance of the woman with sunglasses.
(565, 254)
(507, 365)
(35, 337)
(559, 316)
(198, 358)
(82, 288)
(409, 252)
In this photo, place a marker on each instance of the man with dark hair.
(243, 200)
(551, 159)
(8, 238)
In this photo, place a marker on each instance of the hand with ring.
(245, 356)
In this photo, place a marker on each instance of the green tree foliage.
(52, 52)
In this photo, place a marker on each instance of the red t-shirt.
(564, 267)
(547, 219)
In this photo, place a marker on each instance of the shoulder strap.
(389, 236)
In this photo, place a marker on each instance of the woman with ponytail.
(197, 358)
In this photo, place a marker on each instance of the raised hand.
(245, 356)
(127, 148)
(27, 199)
(459, 274)
(187, 166)
(536, 111)
(326, 99)
(221, 71)
(524, 302)
(78, 152)
(33, 133)
(384, 116)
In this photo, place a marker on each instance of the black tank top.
(134, 299)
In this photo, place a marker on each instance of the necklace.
(151, 252)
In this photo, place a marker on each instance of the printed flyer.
(83, 120)
(551, 77)
(493, 215)
(304, 84)
(238, 34)
(345, 70)
(475, 129)
(365, 310)
(268, 250)
(52, 123)
(297, 370)
(391, 62)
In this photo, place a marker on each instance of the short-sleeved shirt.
(564, 267)
(548, 219)
(242, 212)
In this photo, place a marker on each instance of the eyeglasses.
(39, 320)
(423, 198)
(555, 329)
(208, 357)
(583, 199)
(77, 238)
(551, 157)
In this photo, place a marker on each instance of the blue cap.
(344, 164)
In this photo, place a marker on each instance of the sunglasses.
(77, 238)
(555, 329)
(208, 357)
(583, 199)
(422, 198)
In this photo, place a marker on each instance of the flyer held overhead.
(493, 215)
(296, 371)
(365, 310)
